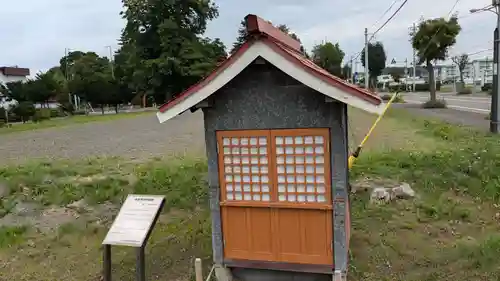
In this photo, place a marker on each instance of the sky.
(35, 33)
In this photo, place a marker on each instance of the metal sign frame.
(140, 252)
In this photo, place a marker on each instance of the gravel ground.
(464, 118)
(140, 137)
(143, 137)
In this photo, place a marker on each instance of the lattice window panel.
(302, 167)
(246, 168)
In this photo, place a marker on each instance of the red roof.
(256, 25)
(321, 73)
(261, 30)
(14, 71)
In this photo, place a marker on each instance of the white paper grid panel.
(246, 168)
(301, 169)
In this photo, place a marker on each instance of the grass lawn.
(449, 232)
(68, 121)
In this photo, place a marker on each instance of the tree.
(329, 56)
(164, 45)
(93, 82)
(242, 37)
(25, 110)
(431, 41)
(346, 71)
(16, 91)
(285, 29)
(43, 88)
(4, 114)
(376, 60)
(62, 96)
(461, 61)
(67, 62)
(395, 75)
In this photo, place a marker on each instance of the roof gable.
(283, 52)
(285, 59)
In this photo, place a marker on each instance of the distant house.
(11, 74)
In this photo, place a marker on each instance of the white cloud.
(36, 32)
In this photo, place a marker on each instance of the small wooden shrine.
(277, 149)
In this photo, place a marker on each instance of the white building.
(449, 72)
(11, 74)
(483, 69)
(478, 70)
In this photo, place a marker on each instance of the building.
(404, 69)
(11, 74)
(477, 71)
(277, 150)
(449, 72)
(482, 69)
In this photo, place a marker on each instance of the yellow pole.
(356, 153)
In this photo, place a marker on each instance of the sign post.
(132, 227)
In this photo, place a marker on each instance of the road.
(471, 103)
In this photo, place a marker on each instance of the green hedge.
(42, 114)
(418, 87)
(487, 87)
(465, 91)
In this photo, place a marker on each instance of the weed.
(397, 99)
(483, 255)
(434, 104)
(464, 91)
(11, 235)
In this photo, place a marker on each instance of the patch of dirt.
(4, 190)
(389, 134)
(367, 184)
(85, 180)
(51, 218)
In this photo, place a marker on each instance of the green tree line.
(163, 50)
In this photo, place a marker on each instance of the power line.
(385, 23)
(386, 11)
(473, 53)
(389, 19)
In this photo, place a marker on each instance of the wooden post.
(107, 263)
(198, 269)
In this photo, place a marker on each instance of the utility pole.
(495, 100)
(111, 62)
(66, 51)
(406, 74)
(414, 61)
(66, 75)
(351, 73)
(367, 72)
